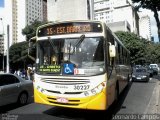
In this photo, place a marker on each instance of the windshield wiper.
(80, 40)
(53, 46)
(82, 37)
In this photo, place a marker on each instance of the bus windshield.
(71, 56)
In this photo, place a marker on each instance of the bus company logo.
(78, 71)
(61, 86)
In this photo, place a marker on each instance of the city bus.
(79, 64)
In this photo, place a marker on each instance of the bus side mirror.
(31, 43)
(30, 46)
(112, 50)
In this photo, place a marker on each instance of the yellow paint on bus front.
(96, 102)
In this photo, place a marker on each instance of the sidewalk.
(158, 106)
(154, 104)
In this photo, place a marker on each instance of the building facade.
(145, 27)
(1, 31)
(19, 14)
(45, 10)
(117, 11)
(61, 10)
(120, 26)
(1, 44)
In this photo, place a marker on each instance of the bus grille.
(65, 81)
(57, 92)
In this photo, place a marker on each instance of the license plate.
(138, 78)
(62, 100)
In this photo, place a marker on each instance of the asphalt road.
(137, 98)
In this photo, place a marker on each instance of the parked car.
(155, 68)
(138, 66)
(140, 74)
(14, 89)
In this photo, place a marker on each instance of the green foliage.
(19, 55)
(154, 6)
(19, 51)
(30, 30)
(142, 51)
(148, 4)
(152, 53)
(16, 50)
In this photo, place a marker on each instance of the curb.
(158, 106)
(154, 104)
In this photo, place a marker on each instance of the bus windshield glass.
(71, 56)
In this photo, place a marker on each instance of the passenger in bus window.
(54, 60)
(46, 61)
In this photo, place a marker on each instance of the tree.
(150, 54)
(153, 53)
(153, 5)
(19, 55)
(30, 30)
(141, 50)
(135, 45)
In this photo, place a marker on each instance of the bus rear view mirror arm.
(112, 50)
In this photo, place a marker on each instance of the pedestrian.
(15, 72)
(24, 73)
(18, 72)
(29, 73)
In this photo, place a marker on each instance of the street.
(137, 98)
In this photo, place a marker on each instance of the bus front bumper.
(95, 102)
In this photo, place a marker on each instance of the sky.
(153, 22)
(1, 3)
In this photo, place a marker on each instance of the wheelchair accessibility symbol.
(68, 68)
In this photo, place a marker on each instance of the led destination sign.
(68, 28)
(51, 68)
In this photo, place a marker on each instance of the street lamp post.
(3, 40)
(8, 34)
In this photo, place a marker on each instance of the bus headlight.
(86, 93)
(40, 89)
(96, 90)
(93, 91)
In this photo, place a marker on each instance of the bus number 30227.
(81, 87)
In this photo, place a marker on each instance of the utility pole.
(8, 48)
